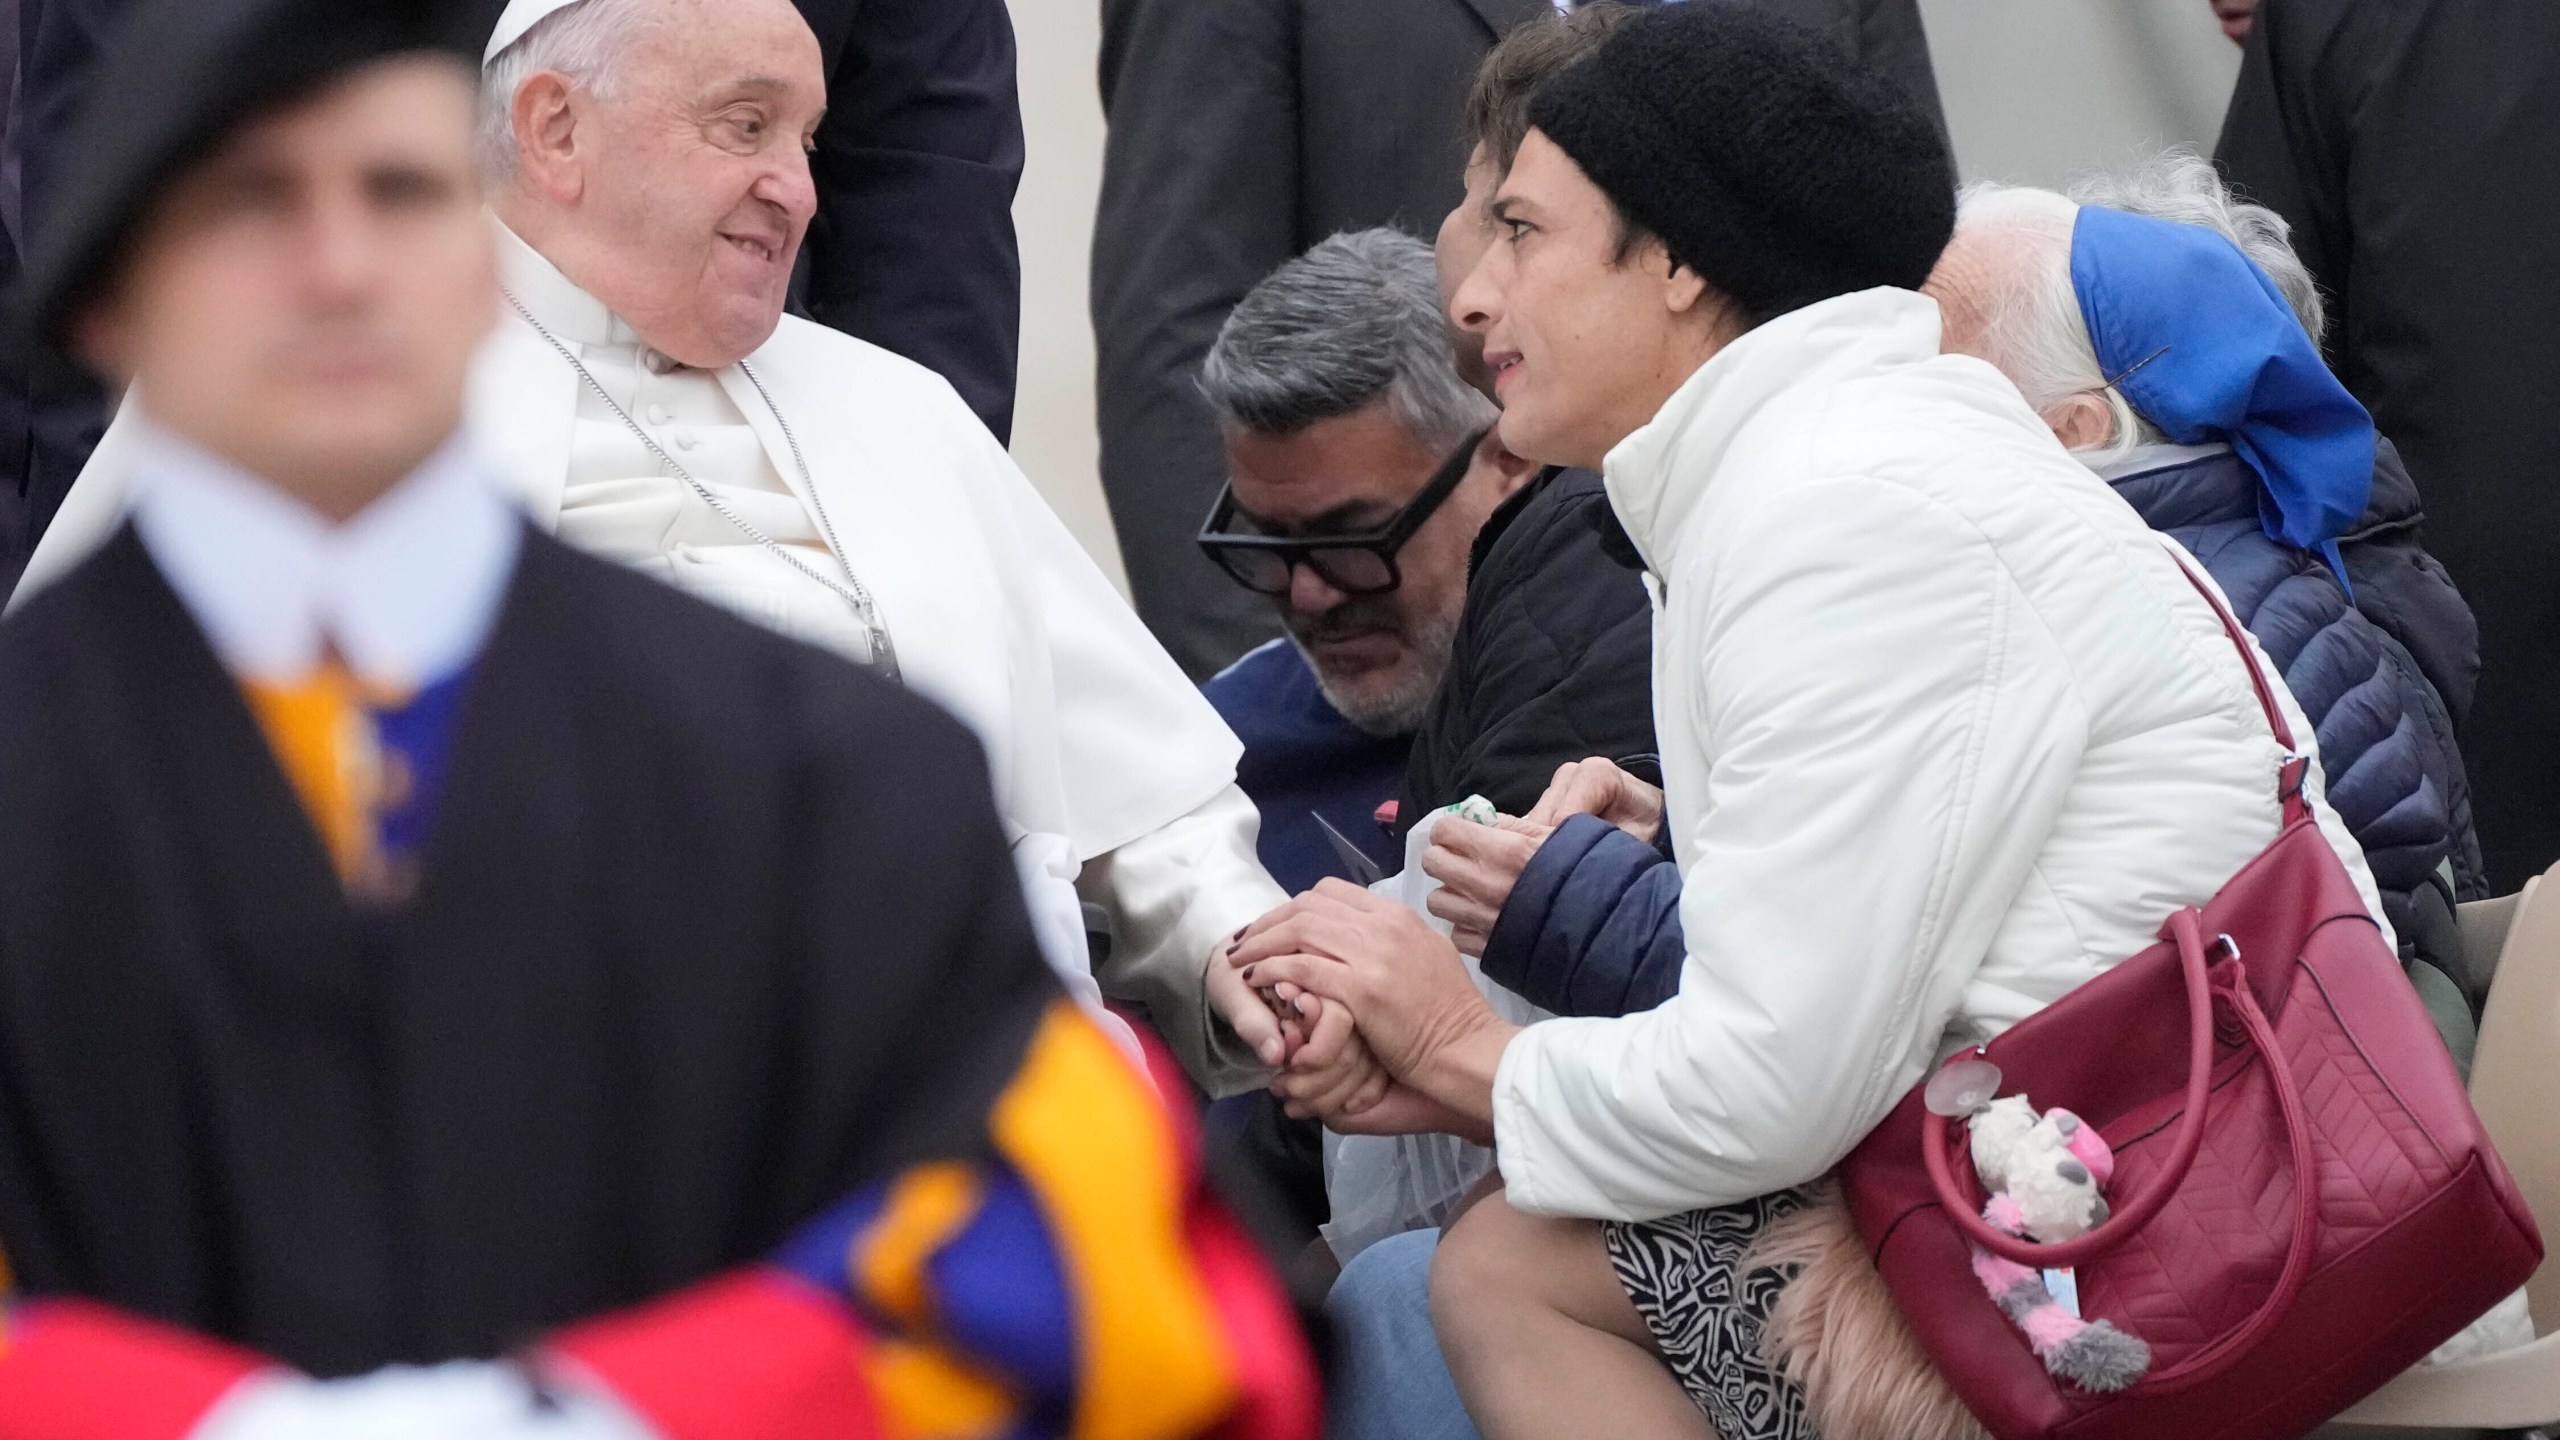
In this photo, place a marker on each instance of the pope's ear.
(545, 121)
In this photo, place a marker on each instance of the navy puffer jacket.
(2386, 732)
(1592, 926)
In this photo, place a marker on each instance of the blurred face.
(1584, 347)
(1379, 658)
(2236, 17)
(1463, 239)
(679, 196)
(305, 303)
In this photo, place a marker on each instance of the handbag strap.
(1940, 1136)
(2299, 1249)
(2236, 1345)
(2185, 931)
(2298, 766)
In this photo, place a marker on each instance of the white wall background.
(1053, 435)
(2035, 90)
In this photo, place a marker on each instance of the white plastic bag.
(1382, 1185)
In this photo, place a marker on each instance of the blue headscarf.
(2198, 338)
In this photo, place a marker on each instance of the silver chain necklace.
(884, 656)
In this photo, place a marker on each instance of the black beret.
(175, 82)
(1766, 160)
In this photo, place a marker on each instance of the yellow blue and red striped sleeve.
(1073, 1283)
(1078, 1285)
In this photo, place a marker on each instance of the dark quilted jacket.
(2386, 731)
(2403, 589)
(1553, 659)
(1593, 927)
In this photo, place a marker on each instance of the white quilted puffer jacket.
(1944, 733)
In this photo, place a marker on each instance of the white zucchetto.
(522, 15)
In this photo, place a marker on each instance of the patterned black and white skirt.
(1685, 1275)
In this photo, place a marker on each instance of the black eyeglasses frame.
(1215, 540)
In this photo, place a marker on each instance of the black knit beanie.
(1761, 156)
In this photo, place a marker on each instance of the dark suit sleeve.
(2281, 147)
(913, 247)
(1199, 202)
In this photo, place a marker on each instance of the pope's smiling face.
(678, 190)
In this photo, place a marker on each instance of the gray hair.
(1353, 320)
(2034, 329)
(581, 40)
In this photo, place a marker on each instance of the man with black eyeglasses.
(1360, 468)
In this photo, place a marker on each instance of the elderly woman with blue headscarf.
(2167, 334)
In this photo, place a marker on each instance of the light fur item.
(1836, 1333)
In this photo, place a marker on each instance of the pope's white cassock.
(1116, 780)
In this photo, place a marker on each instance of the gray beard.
(1398, 708)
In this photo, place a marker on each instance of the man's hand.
(1476, 866)
(1599, 787)
(1419, 1013)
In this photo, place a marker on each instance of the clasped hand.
(1339, 952)
(1373, 1023)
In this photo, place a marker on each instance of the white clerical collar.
(555, 299)
(408, 590)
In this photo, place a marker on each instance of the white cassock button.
(685, 439)
(657, 414)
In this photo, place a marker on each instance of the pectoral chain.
(884, 656)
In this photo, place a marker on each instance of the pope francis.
(649, 178)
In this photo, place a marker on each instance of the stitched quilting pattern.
(2235, 1213)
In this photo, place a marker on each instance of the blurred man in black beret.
(421, 944)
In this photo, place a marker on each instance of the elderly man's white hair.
(2032, 327)
(581, 39)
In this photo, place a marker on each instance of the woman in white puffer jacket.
(1945, 731)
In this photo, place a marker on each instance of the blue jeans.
(1389, 1380)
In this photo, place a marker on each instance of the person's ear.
(2082, 422)
(103, 340)
(545, 120)
(1683, 289)
(1507, 471)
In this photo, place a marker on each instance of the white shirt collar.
(408, 590)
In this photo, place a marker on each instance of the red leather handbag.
(2304, 1202)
